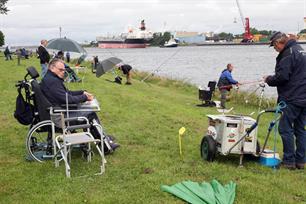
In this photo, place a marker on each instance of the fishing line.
(161, 64)
(242, 84)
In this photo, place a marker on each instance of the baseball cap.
(275, 36)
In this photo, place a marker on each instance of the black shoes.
(287, 166)
(299, 166)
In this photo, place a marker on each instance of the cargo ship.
(133, 39)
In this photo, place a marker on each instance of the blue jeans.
(44, 69)
(293, 124)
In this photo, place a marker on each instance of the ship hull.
(120, 45)
(127, 43)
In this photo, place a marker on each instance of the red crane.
(247, 36)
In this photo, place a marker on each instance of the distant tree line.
(230, 36)
(3, 8)
(160, 38)
(1, 39)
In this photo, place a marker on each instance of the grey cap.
(275, 36)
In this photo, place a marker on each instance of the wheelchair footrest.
(79, 138)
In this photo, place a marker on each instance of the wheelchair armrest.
(74, 127)
(80, 119)
(63, 108)
(73, 106)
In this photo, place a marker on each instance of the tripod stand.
(262, 87)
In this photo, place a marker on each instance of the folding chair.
(64, 143)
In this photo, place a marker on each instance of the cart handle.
(249, 130)
(270, 111)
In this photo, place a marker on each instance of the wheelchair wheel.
(39, 141)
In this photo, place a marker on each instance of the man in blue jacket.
(225, 83)
(290, 80)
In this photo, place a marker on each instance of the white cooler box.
(228, 130)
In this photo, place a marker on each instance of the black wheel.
(208, 148)
(39, 141)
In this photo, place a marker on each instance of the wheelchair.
(40, 137)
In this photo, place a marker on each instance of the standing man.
(290, 80)
(95, 62)
(44, 57)
(68, 57)
(225, 83)
(7, 53)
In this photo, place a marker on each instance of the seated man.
(55, 91)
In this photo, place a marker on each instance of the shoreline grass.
(145, 119)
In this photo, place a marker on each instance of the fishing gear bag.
(24, 110)
(118, 80)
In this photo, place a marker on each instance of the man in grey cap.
(290, 80)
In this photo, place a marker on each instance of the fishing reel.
(235, 86)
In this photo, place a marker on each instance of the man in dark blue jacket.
(55, 91)
(225, 83)
(290, 80)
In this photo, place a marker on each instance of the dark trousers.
(8, 57)
(90, 115)
(292, 128)
(224, 93)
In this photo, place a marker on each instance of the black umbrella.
(107, 65)
(65, 45)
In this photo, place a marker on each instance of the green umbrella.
(226, 194)
(206, 193)
(182, 192)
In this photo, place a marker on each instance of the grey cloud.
(84, 20)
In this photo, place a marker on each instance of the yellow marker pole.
(181, 132)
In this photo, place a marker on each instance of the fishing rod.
(158, 68)
(241, 84)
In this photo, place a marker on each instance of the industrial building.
(189, 37)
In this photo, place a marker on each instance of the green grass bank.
(145, 119)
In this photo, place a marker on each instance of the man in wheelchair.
(57, 94)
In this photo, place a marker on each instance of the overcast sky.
(29, 21)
